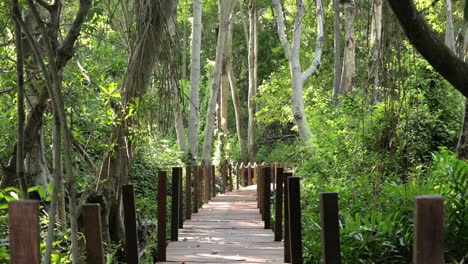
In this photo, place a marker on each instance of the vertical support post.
(428, 244)
(231, 182)
(23, 222)
(242, 176)
(131, 241)
(259, 189)
(200, 186)
(195, 189)
(162, 215)
(207, 173)
(287, 242)
(279, 204)
(213, 181)
(175, 204)
(249, 175)
(266, 196)
(93, 234)
(181, 198)
(295, 224)
(188, 192)
(238, 170)
(224, 176)
(330, 231)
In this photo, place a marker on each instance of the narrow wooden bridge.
(228, 229)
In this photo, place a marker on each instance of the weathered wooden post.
(330, 231)
(207, 173)
(162, 215)
(181, 198)
(295, 224)
(266, 196)
(175, 204)
(287, 243)
(249, 175)
(24, 232)
(230, 177)
(242, 175)
(188, 192)
(259, 190)
(238, 173)
(428, 241)
(279, 204)
(195, 189)
(224, 177)
(92, 232)
(213, 181)
(200, 186)
(131, 240)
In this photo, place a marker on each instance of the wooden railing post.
(242, 175)
(131, 240)
(175, 204)
(295, 224)
(207, 173)
(200, 186)
(24, 231)
(330, 231)
(181, 198)
(259, 190)
(249, 175)
(279, 204)
(195, 189)
(266, 196)
(224, 176)
(230, 177)
(162, 215)
(213, 181)
(188, 192)
(92, 233)
(238, 173)
(428, 244)
(287, 243)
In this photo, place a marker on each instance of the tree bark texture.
(194, 100)
(224, 10)
(293, 54)
(348, 74)
(430, 46)
(253, 65)
(375, 50)
(338, 63)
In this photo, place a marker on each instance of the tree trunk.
(348, 75)
(375, 52)
(338, 64)
(253, 61)
(431, 47)
(194, 101)
(292, 53)
(234, 92)
(224, 11)
(449, 31)
(462, 146)
(154, 16)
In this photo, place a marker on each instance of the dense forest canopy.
(366, 98)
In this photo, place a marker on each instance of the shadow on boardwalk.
(228, 229)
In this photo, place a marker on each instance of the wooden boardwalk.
(228, 229)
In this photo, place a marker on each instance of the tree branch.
(281, 33)
(318, 44)
(430, 46)
(65, 52)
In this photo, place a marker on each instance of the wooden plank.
(175, 204)
(228, 229)
(207, 184)
(295, 224)
(93, 234)
(23, 223)
(330, 231)
(195, 189)
(162, 216)
(131, 239)
(428, 245)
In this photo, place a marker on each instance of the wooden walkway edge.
(228, 229)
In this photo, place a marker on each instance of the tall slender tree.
(253, 65)
(194, 99)
(292, 52)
